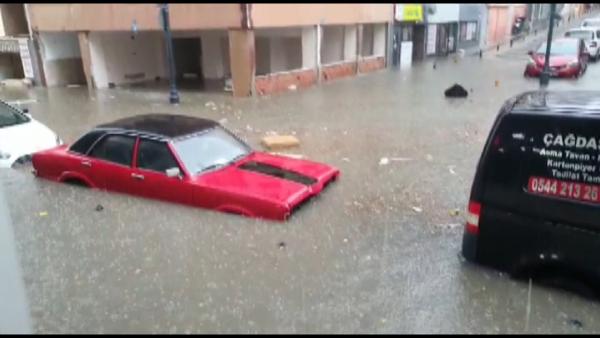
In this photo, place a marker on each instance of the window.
(115, 148)
(156, 156)
(82, 145)
(468, 31)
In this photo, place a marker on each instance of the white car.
(591, 36)
(21, 135)
(594, 22)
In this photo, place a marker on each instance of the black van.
(535, 201)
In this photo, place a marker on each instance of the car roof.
(586, 28)
(165, 126)
(563, 102)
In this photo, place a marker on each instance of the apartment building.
(258, 48)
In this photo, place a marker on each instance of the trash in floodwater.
(345, 159)
(451, 169)
(576, 323)
(280, 141)
(417, 209)
(99, 207)
(345, 240)
(429, 157)
(386, 161)
(454, 212)
(281, 245)
(43, 213)
(497, 83)
(456, 91)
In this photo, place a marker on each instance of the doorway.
(188, 62)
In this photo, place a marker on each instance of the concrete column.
(242, 60)
(212, 56)
(309, 47)
(359, 42)
(379, 39)
(86, 58)
(350, 51)
(319, 43)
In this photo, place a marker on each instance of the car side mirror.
(173, 172)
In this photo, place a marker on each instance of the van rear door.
(538, 172)
(546, 166)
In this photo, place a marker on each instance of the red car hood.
(274, 178)
(555, 60)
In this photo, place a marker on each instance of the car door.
(151, 180)
(110, 161)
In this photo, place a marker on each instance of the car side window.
(155, 156)
(115, 148)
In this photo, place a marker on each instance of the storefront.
(408, 40)
(442, 28)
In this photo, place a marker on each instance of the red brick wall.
(338, 71)
(371, 65)
(281, 82)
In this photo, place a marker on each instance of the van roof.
(557, 102)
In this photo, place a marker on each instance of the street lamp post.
(173, 95)
(545, 76)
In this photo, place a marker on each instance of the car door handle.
(137, 177)
(86, 163)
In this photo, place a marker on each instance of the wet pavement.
(360, 258)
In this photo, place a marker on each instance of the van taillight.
(473, 213)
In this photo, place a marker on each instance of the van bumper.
(469, 246)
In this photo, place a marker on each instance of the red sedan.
(185, 160)
(568, 58)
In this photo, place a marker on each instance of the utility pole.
(173, 95)
(545, 76)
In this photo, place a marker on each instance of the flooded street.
(377, 252)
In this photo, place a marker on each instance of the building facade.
(442, 28)
(15, 44)
(408, 37)
(472, 26)
(258, 48)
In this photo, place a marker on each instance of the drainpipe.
(247, 24)
(173, 94)
(319, 41)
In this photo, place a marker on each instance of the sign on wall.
(431, 38)
(409, 12)
(406, 52)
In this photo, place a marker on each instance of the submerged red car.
(185, 160)
(569, 57)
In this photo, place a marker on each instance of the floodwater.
(377, 252)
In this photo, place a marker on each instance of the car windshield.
(10, 117)
(586, 35)
(209, 150)
(560, 48)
